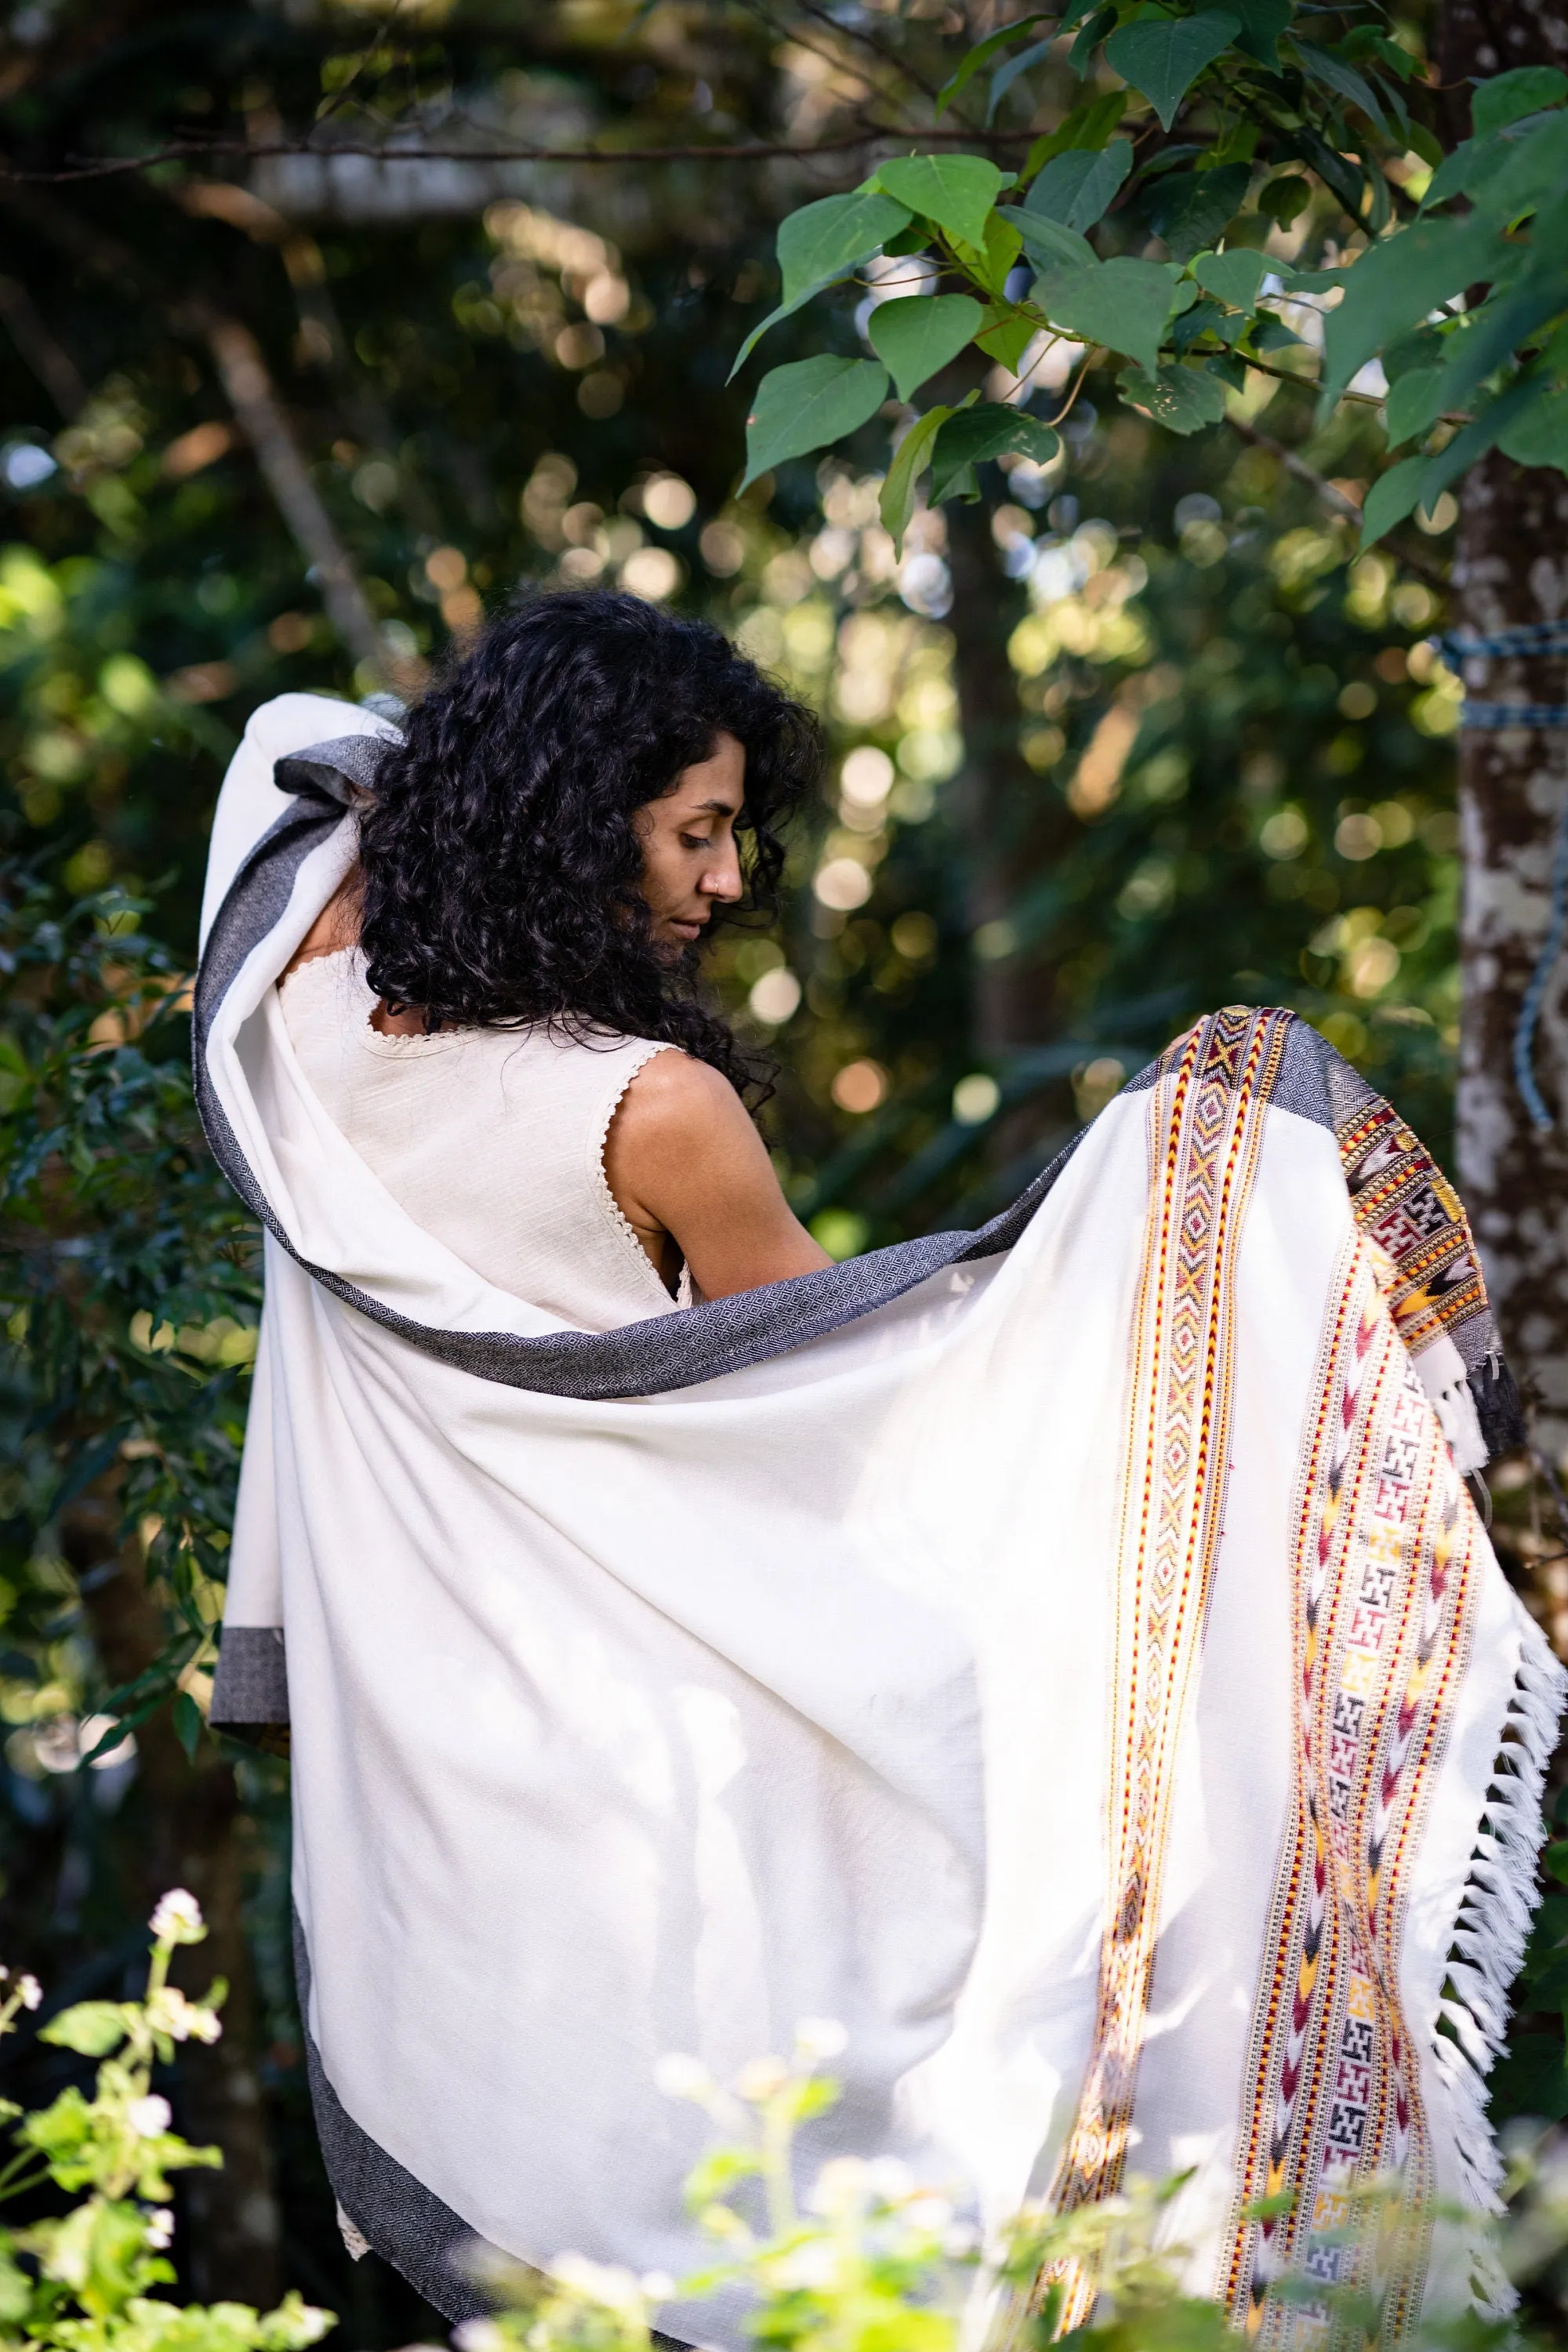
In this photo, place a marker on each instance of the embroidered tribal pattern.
(1385, 1557)
(1206, 1118)
(1402, 1202)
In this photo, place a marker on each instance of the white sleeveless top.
(492, 1139)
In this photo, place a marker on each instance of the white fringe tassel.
(1491, 1935)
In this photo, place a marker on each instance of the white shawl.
(1068, 1655)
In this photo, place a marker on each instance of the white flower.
(205, 2026)
(178, 1919)
(149, 2116)
(816, 2037)
(889, 2179)
(815, 2264)
(762, 2079)
(29, 1991)
(840, 2186)
(599, 2283)
(679, 2077)
(479, 2336)
(160, 2228)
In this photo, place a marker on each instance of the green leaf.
(1163, 56)
(1182, 399)
(1235, 277)
(1395, 285)
(1004, 78)
(93, 2027)
(806, 405)
(1479, 436)
(1123, 304)
(1006, 334)
(897, 503)
(919, 334)
(821, 243)
(1342, 79)
(1540, 438)
(1391, 497)
(189, 1722)
(1076, 187)
(982, 55)
(1284, 197)
(1190, 209)
(1414, 402)
(1052, 244)
(1532, 172)
(1491, 332)
(1093, 33)
(1262, 22)
(1088, 126)
(990, 430)
(1509, 96)
(956, 192)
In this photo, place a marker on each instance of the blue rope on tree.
(1533, 637)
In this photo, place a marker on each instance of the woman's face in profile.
(690, 862)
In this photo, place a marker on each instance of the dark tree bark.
(1014, 825)
(1511, 568)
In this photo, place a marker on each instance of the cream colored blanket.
(1067, 1655)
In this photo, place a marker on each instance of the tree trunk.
(1012, 823)
(1511, 568)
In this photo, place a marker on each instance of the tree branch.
(1335, 499)
(254, 400)
(109, 167)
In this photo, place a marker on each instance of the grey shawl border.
(399, 2218)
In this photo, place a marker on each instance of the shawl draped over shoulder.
(1066, 1653)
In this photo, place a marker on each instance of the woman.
(528, 930)
(1065, 1655)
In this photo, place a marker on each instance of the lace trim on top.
(615, 1214)
(346, 965)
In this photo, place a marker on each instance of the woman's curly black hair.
(500, 867)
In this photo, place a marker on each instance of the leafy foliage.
(83, 2281)
(1255, 94)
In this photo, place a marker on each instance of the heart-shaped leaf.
(1123, 304)
(1191, 209)
(956, 192)
(919, 333)
(821, 243)
(1413, 404)
(1076, 188)
(1262, 22)
(1163, 56)
(910, 459)
(991, 430)
(1234, 277)
(808, 403)
(1182, 399)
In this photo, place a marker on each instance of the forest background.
(1138, 732)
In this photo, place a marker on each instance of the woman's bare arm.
(686, 1165)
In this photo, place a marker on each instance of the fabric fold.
(1066, 1652)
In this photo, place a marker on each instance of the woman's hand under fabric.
(686, 1166)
